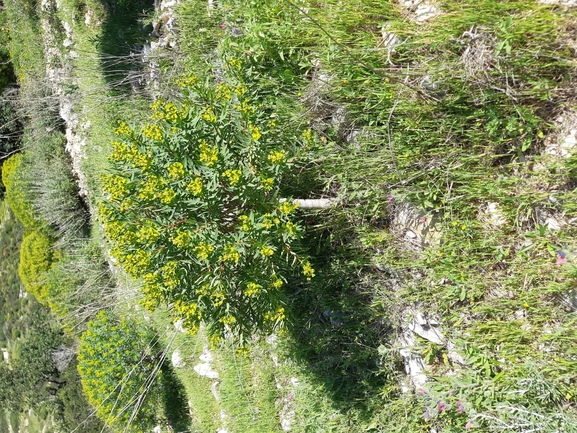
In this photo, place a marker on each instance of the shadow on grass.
(334, 330)
(124, 32)
(174, 400)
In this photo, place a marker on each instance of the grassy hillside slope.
(440, 288)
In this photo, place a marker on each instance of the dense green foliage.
(12, 306)
(73, 408)
(32, 381)
(119, 368)
(34, 375)
(36, 257)
(18, 194)
(10, 123)
(24, 30)
(31, 335)
(193, 206)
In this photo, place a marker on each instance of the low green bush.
(119, 370)
(36, 257)
(17, 191)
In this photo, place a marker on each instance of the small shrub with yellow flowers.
(193, 208)
(116, 362)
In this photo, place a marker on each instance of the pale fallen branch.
(313, 203)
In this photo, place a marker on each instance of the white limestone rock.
(177, 360)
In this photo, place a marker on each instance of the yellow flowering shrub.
(193, 207)
(277, 156)
(36, 257)
(116, 360)
(153, 132)
(232, 176)
(17, 191)
(208, 154)
(175, 170)
(195, 186)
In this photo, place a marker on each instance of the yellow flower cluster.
(119, 150)
(135, 264)
(165, 111)
(175, 170)
(104, 212)
(245, 108)
(308, 134)
(254, 132)
(170, 113)
(147, 235)
(171, 280)
(235, 63)
(188, 309)
(208, 153)
(203, 290)
(209, 115)
(218, 297)
(126, 205)
(115, 186)
(152, 132)
(215, 341)
(144, 162)
(276, 283)
(204, 250)
(244, 223)
(156, 106)
(276, 316)
(267, 183)
(228, 319)
(181, 240)
(123, 129)
(266, 251)
(190, 314)
(240, 90)
(152, 291)
(288, 207)
(123, 153)
(277, 156)
(118, 231)
(230, 254)
(187, 81)
(195, 186)
(232, 176)
(308, 270)
(223, 91)
(252, 289)
(291, 228)
(149, 188)
(113, 228)
(167, 196)
(268, 221)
